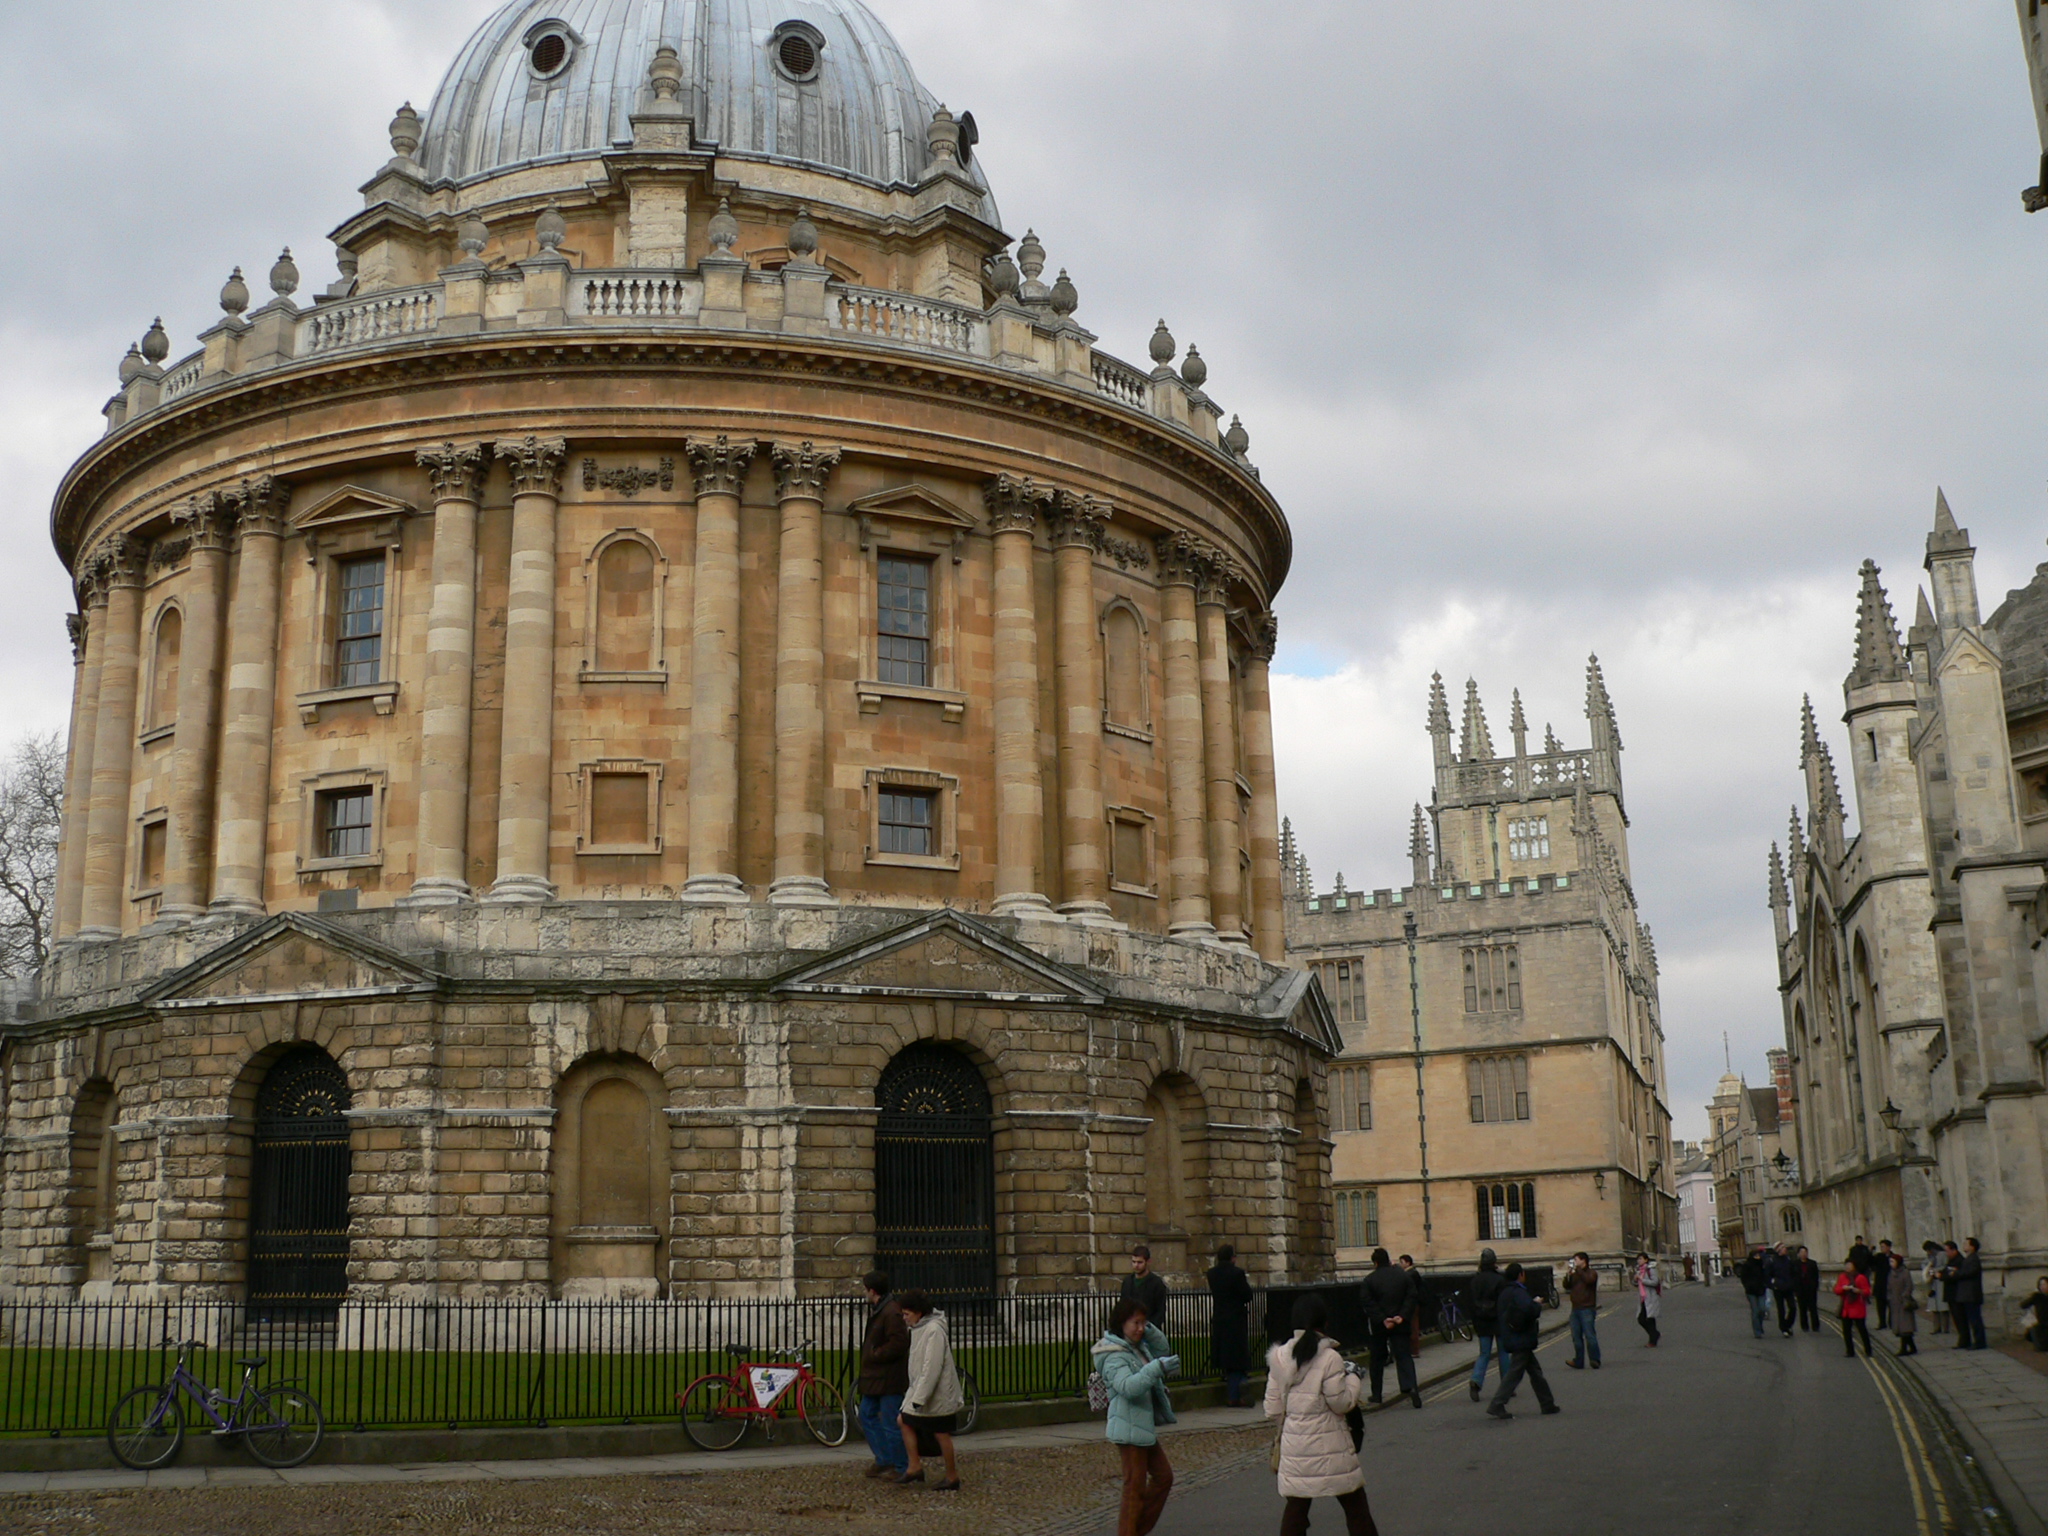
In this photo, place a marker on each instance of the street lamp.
(1781, 1162)
(1890, 1115)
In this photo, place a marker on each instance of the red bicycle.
(718, 1407)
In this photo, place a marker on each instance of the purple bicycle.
(279, 1424)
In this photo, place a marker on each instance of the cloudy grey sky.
(1557, 329)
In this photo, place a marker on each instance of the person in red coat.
(1853, 1286)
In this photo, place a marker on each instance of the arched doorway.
(298, 1194)
(935, 1174)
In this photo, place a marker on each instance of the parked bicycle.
(1451, 1321)
(718, 1407)
(280, 1424)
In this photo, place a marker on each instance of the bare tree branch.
(31, 812)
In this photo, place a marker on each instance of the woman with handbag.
(1904, 1305)
(932, 1405)
(1311, 1388)
(1133, 1360)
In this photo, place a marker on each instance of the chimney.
(1781, 1078)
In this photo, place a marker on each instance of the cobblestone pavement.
(1004, 1491)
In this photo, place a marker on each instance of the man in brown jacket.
(884, 1378)
(1582, 1284)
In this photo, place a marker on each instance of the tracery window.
(1358, 1218)
(1344, 985)
(1353, 1095)
(1528, 838)
(1507, 1212)
(1493, 978)
(1498, 1087)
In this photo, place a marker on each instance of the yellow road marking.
(1913, 1453)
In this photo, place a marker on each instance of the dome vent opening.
(797, 47)
(549, 48)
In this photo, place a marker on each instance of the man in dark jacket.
(1859, 1256)
(1881, 1283)
(1756, 1285)
(884, 1378)
(1968, 1272)
(1391, 1296)
(1784, 1280)
(1520, 1321)
(1809, 1291)
(1484, 1294)
(1230, 1335)
(1582, 1284)
(1144, 1286)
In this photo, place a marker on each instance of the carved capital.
(257, 506)
(801, 470)
(126, 559)
(206, 522)
(1265, 632)
(456, 473)
(1015, 504)
(92, 572)
(75, 627)
(1078, 521)
(1181, 559)
(719, 464)
(1218, 572)
(535, 463)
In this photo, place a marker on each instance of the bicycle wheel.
(284, 1427)
(715, 1410)
(146, 1428)
(823, 1409)
(970, 1410)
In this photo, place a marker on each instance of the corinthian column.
(721, 471)
(1268, 921)
(88, 629)
(1084, 834)
(113, 757)
(242, 818)
(441, 872)
(1187, 769)
(1219, 732)
(1014, 509)
(800, 475)
(195, 761)
(526, 764)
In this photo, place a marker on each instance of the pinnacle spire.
(1923, 614)
(1779, 899)
(1518, 727)
(1600, 708)
(1475, 741)
(1944, 520)
(1418, 834)
(1795, 839)
(1809, 732)
(1439, 707)
(1550, 742)
(1879, 656)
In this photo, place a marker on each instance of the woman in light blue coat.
(1135, 1360)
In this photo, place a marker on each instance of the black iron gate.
(935, 1174)
(298, 1198)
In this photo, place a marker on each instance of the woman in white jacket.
(934, 1399)
(1310, 1387)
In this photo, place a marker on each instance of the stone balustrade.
(1010, 337)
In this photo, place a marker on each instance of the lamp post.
(1421, 1106)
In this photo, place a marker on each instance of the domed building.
(679, 730)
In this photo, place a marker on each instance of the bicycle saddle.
(254, 1362)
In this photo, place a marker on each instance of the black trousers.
(1394, 1341)
(1788, 1309)
(1523, 1362)
(1357, 1516)
(1880, 1296)
(1851, 1327)
(1809, 1312)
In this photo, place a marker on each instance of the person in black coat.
(1756, 1287)
(1784, 1278)
(1230, 1326)
(1809, 1291)
(1485, 1296)
(1966, 1270)
(1521, 1321)
(1391, 1297)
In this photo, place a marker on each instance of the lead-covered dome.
(812, 82)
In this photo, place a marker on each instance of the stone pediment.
(943, 955)
(1297, 1000)
(351, 504)
(916, 504)
(290, 955)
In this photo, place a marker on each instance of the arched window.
(935, 1173)
(1506, 1212)
(1124, 692)
(1310, 1163)
(298, 1196)
(95, 1179)
(610, 1213)
(1176, 1166)
(1792, 1219)
(626, 576)
(163, 668)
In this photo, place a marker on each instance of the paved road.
(1714, 1431)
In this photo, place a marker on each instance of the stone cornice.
(276, 394)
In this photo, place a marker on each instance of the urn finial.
(234, 294)
(551, 229)
(724, 229)
(1237, 440)
(405, 132)
(1163, 345)
(1193, 369)
(803, 236)
(132, 365)
(472, 234)
(665, 74)
(156, 342)
(1066, 298)
(284, 277)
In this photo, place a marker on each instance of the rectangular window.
(903, 621)
(1528, 838)
(1493, 978)
(359, 622)
(909, 822)
(1130, 864)
(1353, 1092)
(1358, 1218)
(1498, 1087)
(155, 840)
(345, 822)
(618, 809)
(1507, 1212)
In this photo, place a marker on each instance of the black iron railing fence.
(388, 1365)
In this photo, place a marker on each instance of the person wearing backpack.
(1310, 1389)
(1485, 1295)
(1134, 1359)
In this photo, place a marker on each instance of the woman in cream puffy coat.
(1310, 1387)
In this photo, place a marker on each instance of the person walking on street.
(1230, 1328)
(1145, 1286)
(1310, 1388)
(1407, 1262)
(1853, 1287)
(1756, 1286)
(1881, 1283)
(1968, 1271)
(1784, 1286)
(1582, 1284)
(884, 1378)
(1809, 1291)
(1902, 1305)
(1930, 1276)
(932, 1404)
(1651, 1291)
(1390, 1300)
(1485, 1297)
(1859, 1254)
(1520, 1323)
(1134, 1360)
